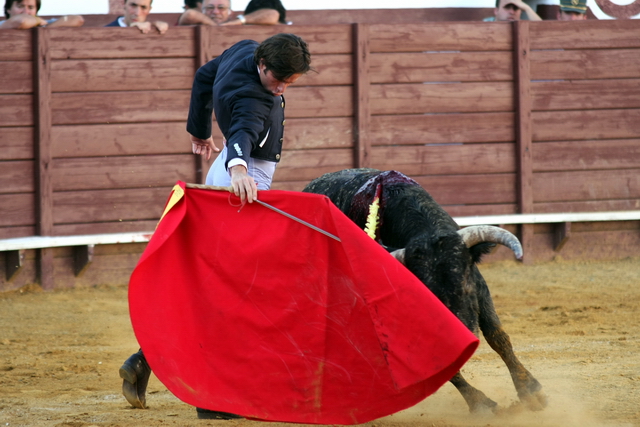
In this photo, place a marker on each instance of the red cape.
(253, 313)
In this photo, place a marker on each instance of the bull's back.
(341, 186)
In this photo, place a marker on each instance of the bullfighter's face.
(272, 84)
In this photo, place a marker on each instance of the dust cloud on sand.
(574, 325)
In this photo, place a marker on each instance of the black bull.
(430, 244)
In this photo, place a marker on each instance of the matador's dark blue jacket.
(250, 117)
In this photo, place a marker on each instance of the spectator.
(511, 10)
(218, 12)
(212, 12)
(23, 14)
(572, 10)
(135, 15)
(189, 6)
(263, 12)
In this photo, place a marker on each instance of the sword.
(266, 205)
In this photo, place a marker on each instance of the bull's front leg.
(476, 400)
(528, 388)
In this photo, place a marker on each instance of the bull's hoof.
(535, 401)
(482, 405)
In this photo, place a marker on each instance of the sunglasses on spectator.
(214, 7)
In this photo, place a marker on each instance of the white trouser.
(260, 170)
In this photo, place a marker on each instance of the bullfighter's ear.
(477, 251)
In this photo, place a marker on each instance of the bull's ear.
(477, 251)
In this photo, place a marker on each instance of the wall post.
(43, 158)
(522, 91)
(361, 86)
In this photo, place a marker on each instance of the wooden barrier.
(491, 118)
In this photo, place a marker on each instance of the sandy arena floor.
(576, 326)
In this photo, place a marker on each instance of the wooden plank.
(16, 110)
(305, 165)
(118, 43)
(441, 98)
(322, 39)
(17, 209)
(16, 46)
(521, 54)
(288, 185)
(469, 210)
(116, 226)
(17, 77)
(487, 189)
(443, 128)
(589, 124)
(446, 159)
(588, 206)
(322, 132)
(18, 231)
(586, 94)
(586, 185)
(331, 70)
(96, 173)
(16, 143)
(361, 97)
(172, 137)
(441, 36)
(584, 64)
(587, 155)
(119, 107)
(441, 67)
(140, 204)
(17, 177)
(120, 139)
(122, 74)
(319, 101)
(589, 34)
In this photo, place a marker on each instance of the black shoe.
(135, 373)
(205, 414)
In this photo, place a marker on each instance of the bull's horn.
(399, 255)
(488, 233)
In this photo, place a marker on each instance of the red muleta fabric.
(250, 312)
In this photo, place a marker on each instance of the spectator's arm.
(527, 9)
(22, 22)
(68, 21)
(194, 17)
(161, 26)
(259, 17)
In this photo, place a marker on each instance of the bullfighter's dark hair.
(284, 55)
(9, 3)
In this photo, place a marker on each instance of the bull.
(421, 235)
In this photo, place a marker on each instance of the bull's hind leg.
(528, 388)
(476, 400)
